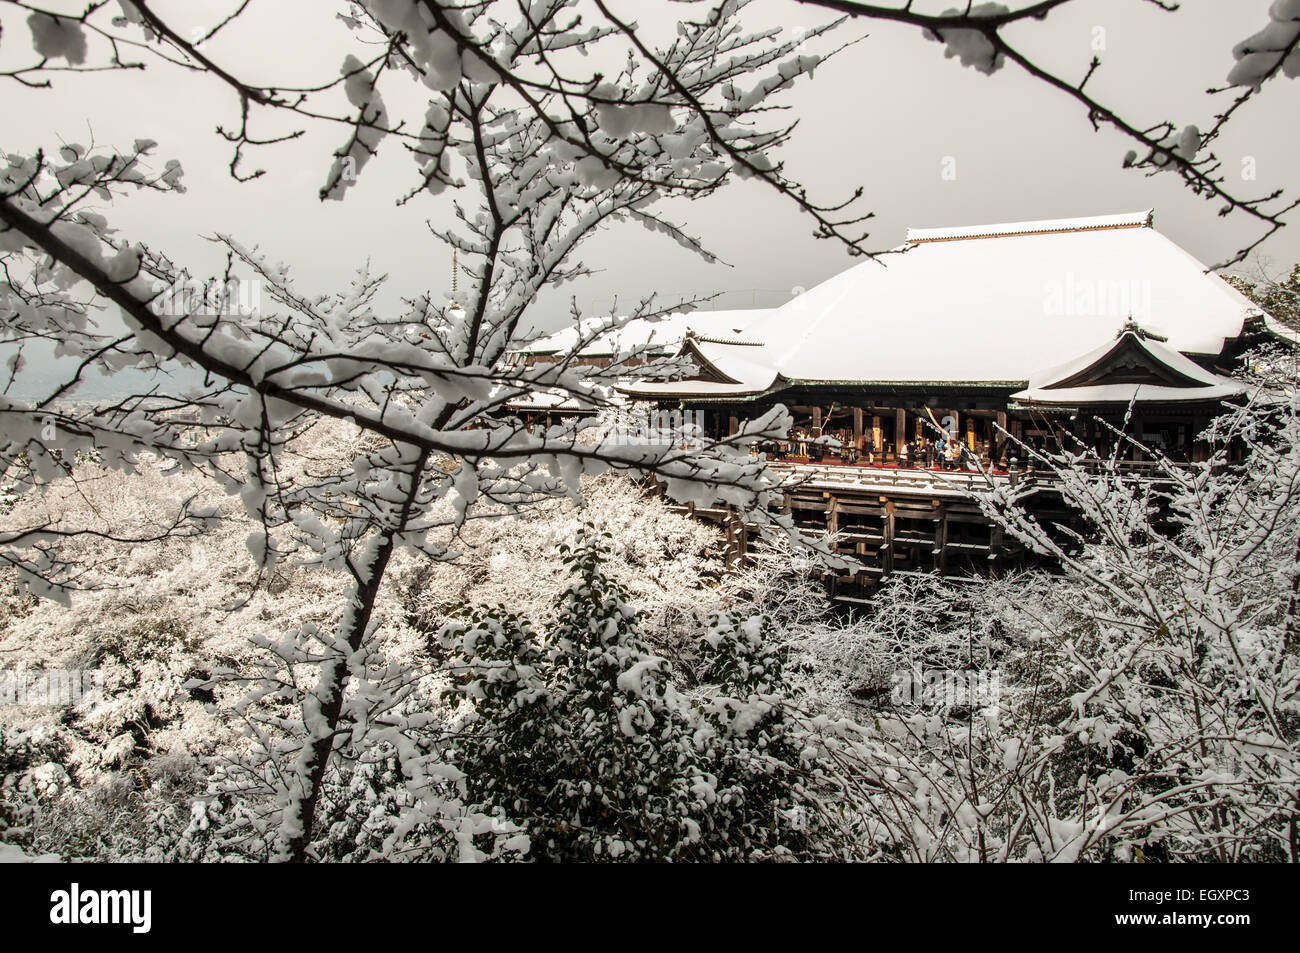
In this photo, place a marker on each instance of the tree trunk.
(298, 820)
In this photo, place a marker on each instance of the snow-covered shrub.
(578, 733)
(768, 784)
(124, 816)
(847, 665)
(581, 738)
(30, 767)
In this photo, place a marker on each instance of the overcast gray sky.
(884, 115)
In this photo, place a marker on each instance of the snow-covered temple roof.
(1132, 367)
(991, 305)
(553, 400)
(667, 332)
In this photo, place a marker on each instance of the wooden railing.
(898, 478)
(917, 479)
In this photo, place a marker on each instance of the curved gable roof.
(1132, 367)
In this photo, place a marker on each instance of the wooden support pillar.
(733, 425)
(970, 433)
(737, 546)
(1200, 449)
(941, 539)
(1000, 437)
(887, 549)
(876, 435)
(817, 420)
(857, 427)
(832, 514)
(900, 429)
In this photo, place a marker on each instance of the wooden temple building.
(954, 348)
